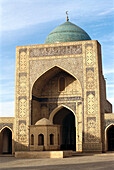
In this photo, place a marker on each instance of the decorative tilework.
(56, 99)
(64, 63)
(90, 103)
(22, 108)
(23, 61)
(92, 147)
(89, 54)
(52, 106)
(83, 65)
(22, 50)
(90, 78)
(6, 124)
(91, 133)
(22, 85)
(23, 74)
(56, 51)
(22, 97)
(108, 122)
(22, 132)
(90, 92)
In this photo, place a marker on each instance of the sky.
(28, 22)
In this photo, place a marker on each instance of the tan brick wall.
(109, 116)
(41, 62)
(38, 69)
(45, 130)
(104, 104)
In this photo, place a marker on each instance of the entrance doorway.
(66, 119)
(6, 141)
(110, 138)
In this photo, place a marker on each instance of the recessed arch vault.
(46, 92)
(48, 74)
(6, 127)
(66, 118)
(57, 109)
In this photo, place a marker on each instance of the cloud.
(7, 90)
(110, 85)
(17, 17)
(107, 38)
(100, 25)
(23, 13)
(108, 71)
(109, 11)
(7, 109)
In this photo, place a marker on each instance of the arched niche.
(66, 118)
(32, 139)
(6, 141)
(48, 75)
(40, 139)
(109, 138)
(51, 139)
(46, 90)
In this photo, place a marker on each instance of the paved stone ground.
(89, 162)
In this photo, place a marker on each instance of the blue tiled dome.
(67, 32)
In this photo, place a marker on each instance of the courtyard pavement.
(87, 162)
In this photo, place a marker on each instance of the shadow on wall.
(8, 146)
(91, 143)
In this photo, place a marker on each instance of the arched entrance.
(110, 138)
(66, 119)
(54, 86)
(6, 141)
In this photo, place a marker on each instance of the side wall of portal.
(106, 106)
(92, 111)
(22, 117)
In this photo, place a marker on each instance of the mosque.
(60, 97)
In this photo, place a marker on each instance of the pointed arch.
(106, 136)
(51, 139)
(112, 124)
(32, 139)
(66, 118)
(40, 139)
(6, 127)
(48, 74)
(57, 109)
(54, 68)
(6, 140)
(46, 88)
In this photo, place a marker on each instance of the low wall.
(43, 154)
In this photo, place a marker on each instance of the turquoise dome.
(67, 32)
